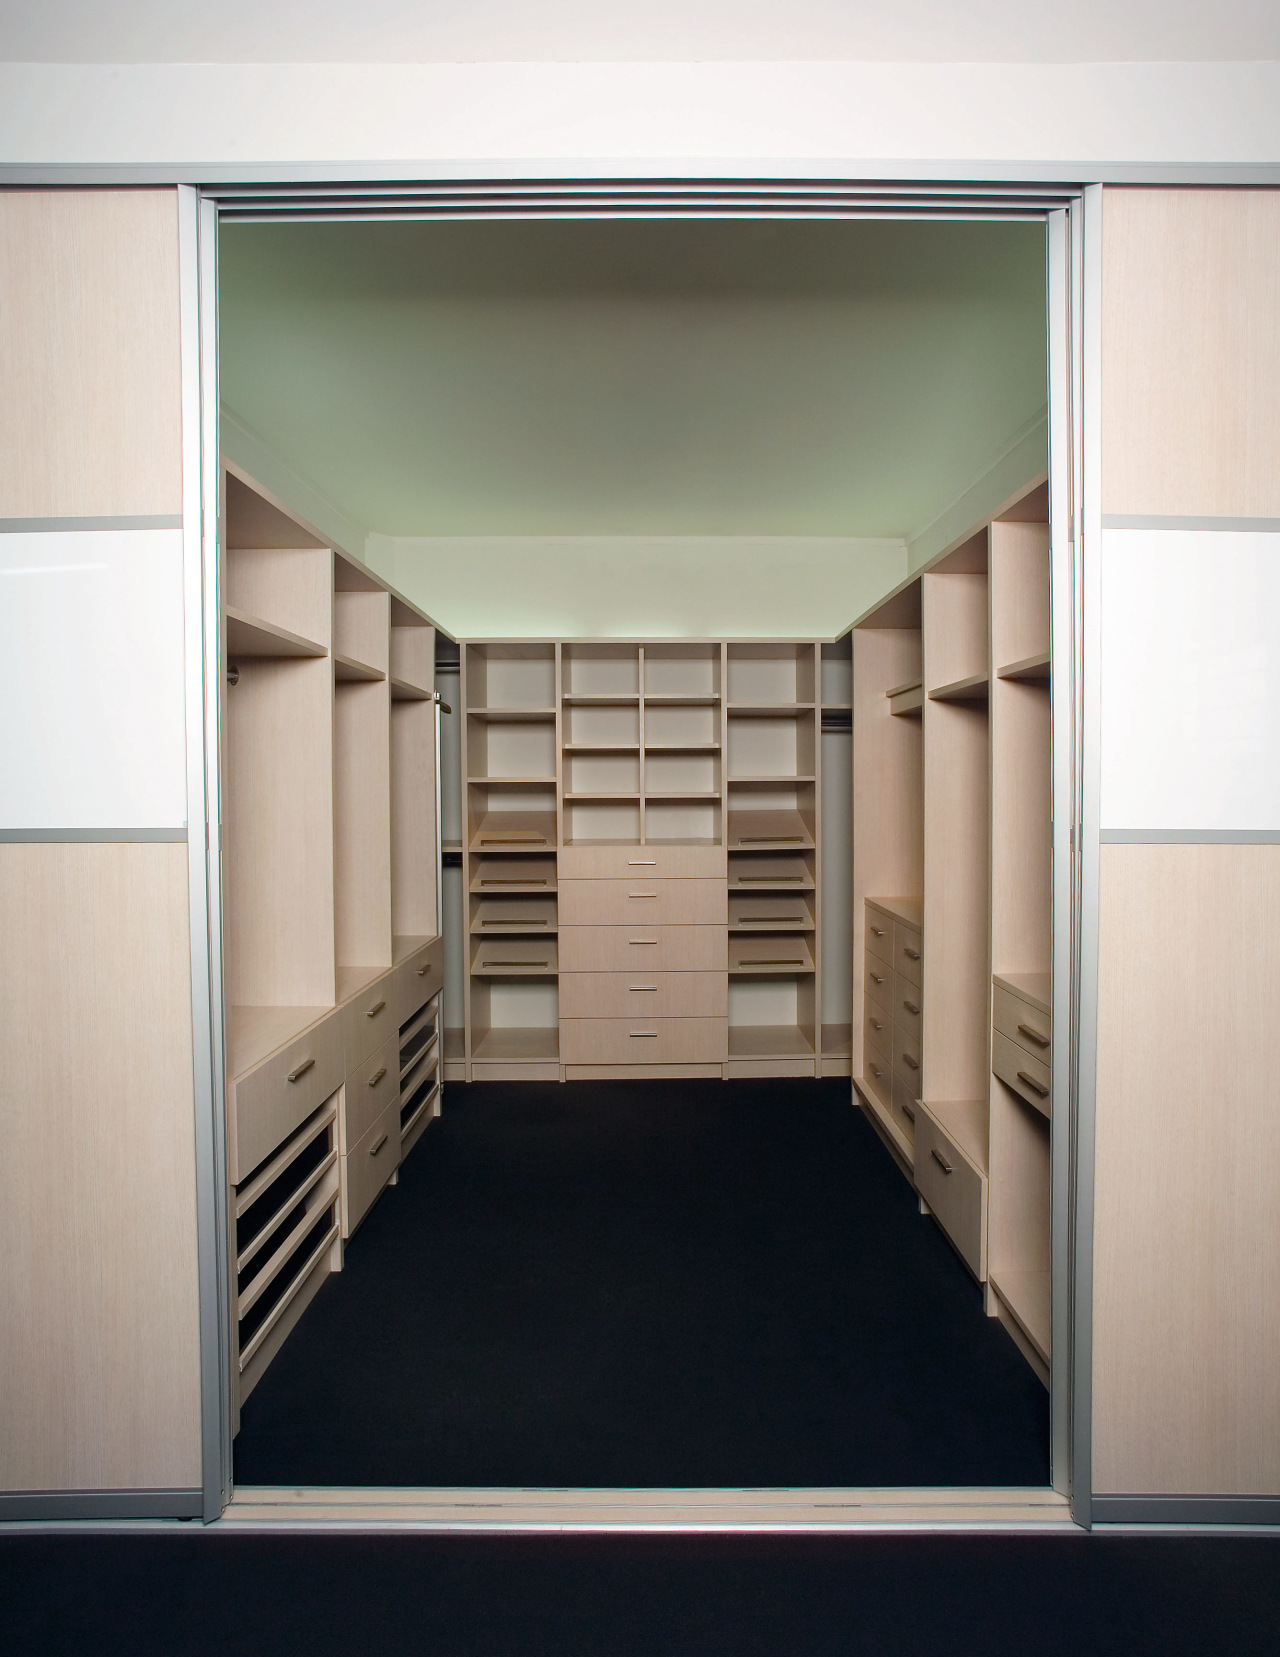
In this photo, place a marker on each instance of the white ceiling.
(635, 377)
(495, 31)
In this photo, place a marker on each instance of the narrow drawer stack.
(893, 1010)
(643, 961)
(1021, 1036)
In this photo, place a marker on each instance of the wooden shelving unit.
(512, 765)
(951, 901)
(330, 901)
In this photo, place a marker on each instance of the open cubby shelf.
(249, 635)
(516, 1043)
(770, 1041)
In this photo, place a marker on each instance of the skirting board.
(641, 1072)
(515, 1070)
(32, 1506)
(768, 1067)
(1186, 1510)
(500, 1511)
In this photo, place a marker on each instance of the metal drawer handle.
(642, 940)
(521, 880)
(374, 1149)
(301, 1070)
(521, 922)
(1033, 1084)
(941, 1161)
(515, 963)
(876, 978)
(912, 1008)
(424, 970)
(643, 989)
(876, 1024)
(1033, 1035)
(642, 894)
(642, 862)
(907, 1112)
(879, 931)
(377, 1076)
(876, 1071)
(911, 954)
(636, 1035)
(372, 1012)
(912, 1064)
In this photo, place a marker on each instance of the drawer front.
(644, 862)
(1017, 1069)
(906, 1105)
(643, 902)
(879, 1077)
(908, 951)
(646, 948)
(879, 935)
(877, 1032)
(369, 1019)
(906, 1058)
(268, 1106)
(368, 1167)
(370, 1089)
(908, 1004)
(1026, 1026)
(644, 995)
(953, 1189)
(878, 979)
(644, 1040)
(418, 979)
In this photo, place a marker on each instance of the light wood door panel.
(1186, 1331)
(99, 1364)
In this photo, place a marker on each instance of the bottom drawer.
(954, 1190)
(1026, 1075)
(905, 1108)
(367, 1168)
(644, 1041)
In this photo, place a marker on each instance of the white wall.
(211, 120)
(640, 587)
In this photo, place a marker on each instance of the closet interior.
(952, 910)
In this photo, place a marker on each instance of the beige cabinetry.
(645, 848)
(333, 958)
(952, 901)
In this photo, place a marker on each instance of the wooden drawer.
(369, 1019)
(368, 1167)
(644, 995)
(644, 1040)
(906, 1058)
(877, 1033)
(1015, 1067)
(1025, 1025)
(647, 948)
(906, 1104)
(417, 979)
(275, 1096)
(645, 862)
(879, 1077)
(908, 951)
(641, 902)
(370, 1088)
(880, 935)
(908, 1005)
(954, 1189)
(878, 981)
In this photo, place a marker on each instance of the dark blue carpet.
(648, 1284)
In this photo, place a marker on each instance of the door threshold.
(503, 1511)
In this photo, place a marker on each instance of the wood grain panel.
(1186, 1334)
(99, 1375)
(1191, 352)
(90, 418)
